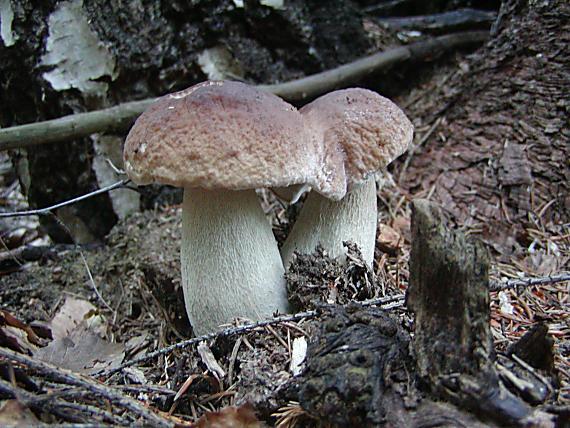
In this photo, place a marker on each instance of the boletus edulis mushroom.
(356, 132)
(220, 141)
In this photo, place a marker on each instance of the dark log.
(15, 258)
(448, 294)
(457, 20)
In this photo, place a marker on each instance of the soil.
(136, 272)
(507, 101)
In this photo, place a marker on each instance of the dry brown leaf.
(17, 335)
(77, 346)
(389, 240)
(230, 417)
(15, 414)
(83, 352)
(69, 316)
(541, 263)
(402, 226)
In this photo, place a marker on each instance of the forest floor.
(127, 290)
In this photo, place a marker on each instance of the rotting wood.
(120, 117)
(449, 295)
(535, 348)
(360, 372)
(455, 20)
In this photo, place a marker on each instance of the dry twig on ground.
(70, 378)
(120, 117)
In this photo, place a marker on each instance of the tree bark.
(498, 157)
(449, 295)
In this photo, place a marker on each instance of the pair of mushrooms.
(222, 140)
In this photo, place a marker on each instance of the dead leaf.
(16, 339)
(77, 346)
(69, 316)
(82, 351)
(541, 263)
(230, 417)
(389, 240)
(15, 414)
(402, 226)
(17, 335)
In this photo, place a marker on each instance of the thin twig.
(528, 282)
(92, 281)
(60, 408)
(48, 210)
(120, 117)
(98, 389)
(390, 301)
(78, 248)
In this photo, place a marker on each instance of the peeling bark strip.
(448, 294)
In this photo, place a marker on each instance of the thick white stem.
(329, 223)
(231, 266)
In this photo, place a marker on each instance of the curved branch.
(120, 117)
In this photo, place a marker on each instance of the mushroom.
(357, 133)
(220, 141)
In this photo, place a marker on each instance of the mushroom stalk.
(329, 223)
(231, 266)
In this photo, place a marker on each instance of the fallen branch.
(28, 399)
(48, 210)
(98, 389)
(311, 86)
(120, 117)
(455, 20)
(386, 303)
(528, 282)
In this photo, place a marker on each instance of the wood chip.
(210, 361)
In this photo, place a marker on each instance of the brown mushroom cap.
(220, 135)
(359, 133)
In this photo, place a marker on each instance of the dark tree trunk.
(449, 295)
